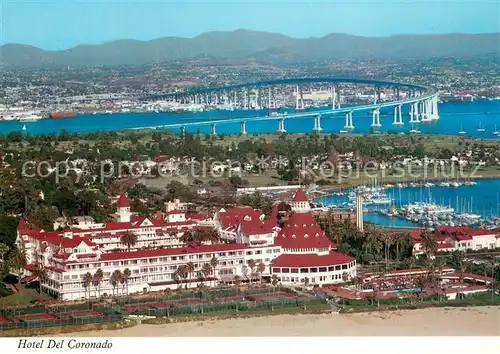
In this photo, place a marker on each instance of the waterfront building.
(457, 238)
(297, 251)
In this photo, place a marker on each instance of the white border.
(274, 345)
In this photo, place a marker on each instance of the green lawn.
(22, 298)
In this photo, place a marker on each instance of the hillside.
(260, 46)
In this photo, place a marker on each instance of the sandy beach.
(479, 321)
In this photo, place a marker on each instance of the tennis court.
(272, 297)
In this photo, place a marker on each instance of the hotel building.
(296, 251)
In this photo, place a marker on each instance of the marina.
(425, 204)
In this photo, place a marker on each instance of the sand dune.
(479, 321)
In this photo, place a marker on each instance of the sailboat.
(481, 128)
(496, 132)
(24, 127)
(462, 131)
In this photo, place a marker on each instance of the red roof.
(86, 255)
(196, 216)
(445, 246)
(55, 238)
(22, 226)
(302, 231)
(234, 216)
(257, 227)
(224, 247)
(464, 231)
(311, 260)
(300, 196)
(123, 201)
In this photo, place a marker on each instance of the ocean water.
(453, 118)
(482, 199)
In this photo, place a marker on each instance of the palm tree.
(251, 265)
(128, 239)
(306, 281)
(98, 277)
(177, 276)
(184, 273)
(87, 281)
(18, 261)
(388, 239)
(244, 271)
(237, 282)
(187, 237)
(3, 250)
(345, 277)
(113, 282)
(274, 280)
(41, 273)
(214, 262)
(116, 278)
(126, 276)
(206, 270)
(429, 243)
(261, 267)
(458, 260)
(205, 234)
(190, 267)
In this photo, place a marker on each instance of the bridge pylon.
(317, 124)
(348, 121)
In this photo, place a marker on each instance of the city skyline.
(99, 21)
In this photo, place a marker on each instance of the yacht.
(343, 132)
(7, 116)
(462, 131)
(29, 118)
(496, 132)
(380, 200)
(481, 128)
(415, 131)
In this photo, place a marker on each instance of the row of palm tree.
(200, 235)
(186, 271)
(117, 278)
(255, 268)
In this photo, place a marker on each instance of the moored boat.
(60, 115)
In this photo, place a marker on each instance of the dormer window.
(306, 235)
(304, 225)
(294, 236)
(317, 235)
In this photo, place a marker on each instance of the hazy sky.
(59, 24)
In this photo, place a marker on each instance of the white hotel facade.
(296, 251)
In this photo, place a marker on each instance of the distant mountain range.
(258, 46)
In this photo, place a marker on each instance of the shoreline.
(396, 180)
(420, 322)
